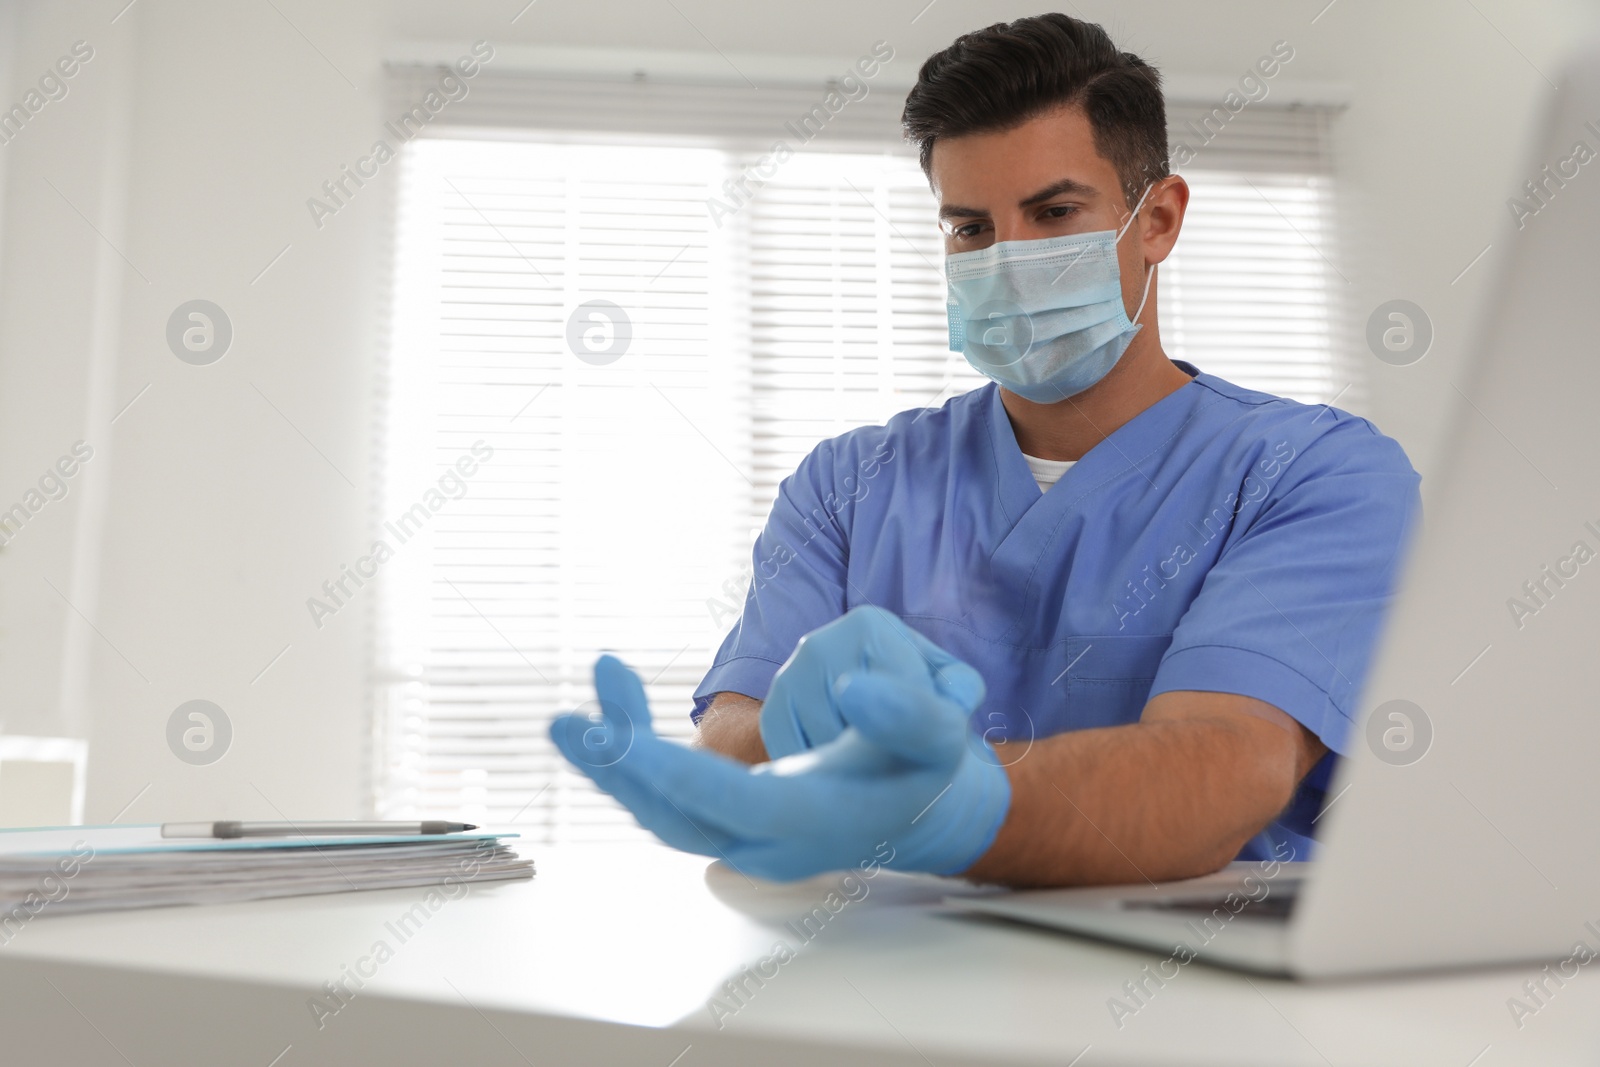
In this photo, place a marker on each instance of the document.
(99, 868)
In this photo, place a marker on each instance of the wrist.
(733, 729)
(961, 824)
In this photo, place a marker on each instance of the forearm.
(1151, 801)
(731, 725)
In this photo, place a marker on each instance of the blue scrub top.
(1222, 540)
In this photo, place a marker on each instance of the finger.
(601, 733)
(780, 728)
(648, 807)
(711, 790)
(903, 718)
(960, 681)
(897, 648)
(621, 692)
(802, 712)
(706, 790)
(890, 646)
(799, 713)
(954, 678)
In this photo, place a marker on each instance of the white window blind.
(619, 504)
(1252, 291)
(602, 519)
(847, 306)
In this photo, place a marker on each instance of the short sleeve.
(797, 582)
(1291, 611)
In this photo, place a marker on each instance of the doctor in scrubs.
(1103, 620)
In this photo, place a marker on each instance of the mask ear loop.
(1150, 272)
(1149, 276)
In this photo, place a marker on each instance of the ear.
(1163, 218)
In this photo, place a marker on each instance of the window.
(586, 502)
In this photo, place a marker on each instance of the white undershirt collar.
(1047, 472)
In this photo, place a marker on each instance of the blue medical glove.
(801, 712)
(907, 772)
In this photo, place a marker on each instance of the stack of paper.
(96, 868)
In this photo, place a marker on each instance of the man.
(1121, 609)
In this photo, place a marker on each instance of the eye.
(965, 231)
(1061, 211)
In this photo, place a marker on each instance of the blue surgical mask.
(1043, 318)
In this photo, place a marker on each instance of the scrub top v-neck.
(1222, 540)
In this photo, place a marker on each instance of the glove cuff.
(954, 831)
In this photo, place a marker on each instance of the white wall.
(1437, 138)
(191, 142)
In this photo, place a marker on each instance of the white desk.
(610, 956)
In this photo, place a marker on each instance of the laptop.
(1461, 828)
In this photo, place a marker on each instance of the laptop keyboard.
(1275, 905)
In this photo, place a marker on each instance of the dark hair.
(999, 77)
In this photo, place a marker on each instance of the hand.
(907, 772)
(801, 711)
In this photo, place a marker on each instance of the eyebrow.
(1065, 185)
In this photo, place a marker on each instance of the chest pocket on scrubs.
(1109, 678)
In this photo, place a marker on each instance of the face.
(1045, 178)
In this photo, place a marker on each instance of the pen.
(234, 828)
